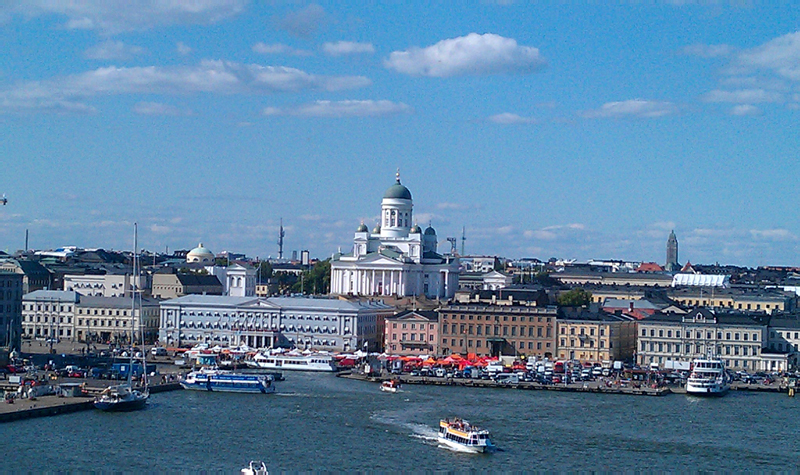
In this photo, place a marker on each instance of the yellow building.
(595, 337)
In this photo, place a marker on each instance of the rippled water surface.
(320, 422)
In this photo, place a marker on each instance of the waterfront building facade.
(494, 330)
(49, 314)
(736, 338)
(397, 258)
(412, 333)
(595, 336)
(307, 323)
(111, 319)
(10, 309)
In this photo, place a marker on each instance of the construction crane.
(453, 245)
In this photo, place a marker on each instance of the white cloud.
(182, 48)
(347, 47)
(745, 109)
(773, 234)
(509, 118)
(707, 51)
(554, 232)
(455, 206)
(116, 16)
(473, 54)
(278, 48)
(211, 76)
(350, 108)
(780, 55)
(157, 108)
(305, 22)
(634, 108)
(113, 50)
(743, 96)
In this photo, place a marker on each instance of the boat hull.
(121, 406)
(227, 389)
(388, 390)
(473, 449)
(710, 391)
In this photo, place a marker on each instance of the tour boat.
(461, 435)
(708, 378)
(211, 379)
(295, 362)
(256, 467)
(391, 386)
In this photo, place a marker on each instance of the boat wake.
(418, 431)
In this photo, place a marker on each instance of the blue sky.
(567, 129)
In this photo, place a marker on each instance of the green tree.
(264, 271)
(317, 280)
(574, 298)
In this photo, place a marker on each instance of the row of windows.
(414, 337)
(582, 343)
(695, 348)
(786, 335)
(496, 318)
(729, 304)
(43, 332)
(699, 334)
(521, 345)
(456, 329)
(582, 331)
(47, 307)
(414, 326)
(728, 363)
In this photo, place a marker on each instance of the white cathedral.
(396, 258)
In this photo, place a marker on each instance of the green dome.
(430, 231)
(376, 229)
(415, 230)
(398, 191)
(362, 229)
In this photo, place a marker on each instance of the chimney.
(630, 306)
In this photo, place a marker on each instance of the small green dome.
(362, 229)
(430, 231)
(415, 230)
(376, 229)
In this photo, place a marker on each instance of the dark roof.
(585, 314)
(195, 279)
(430, 315)
(729, 318)
(32, 268)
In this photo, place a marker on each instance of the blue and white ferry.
(211, 378)
(206, 379)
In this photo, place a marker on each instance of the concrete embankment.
(54, 405)
(587, 387)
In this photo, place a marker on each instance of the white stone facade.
(308, 323)
(397, 258)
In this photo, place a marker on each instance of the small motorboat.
(256, 467)
(391, 386)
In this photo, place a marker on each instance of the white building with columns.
(397, 258)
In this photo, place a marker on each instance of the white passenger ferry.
(708, 378)
(461, 435)
(295, 362)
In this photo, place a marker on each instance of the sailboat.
(124, 397)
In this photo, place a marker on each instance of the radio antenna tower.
(281, 234)
(463, 239)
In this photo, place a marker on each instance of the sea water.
(318, 422)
